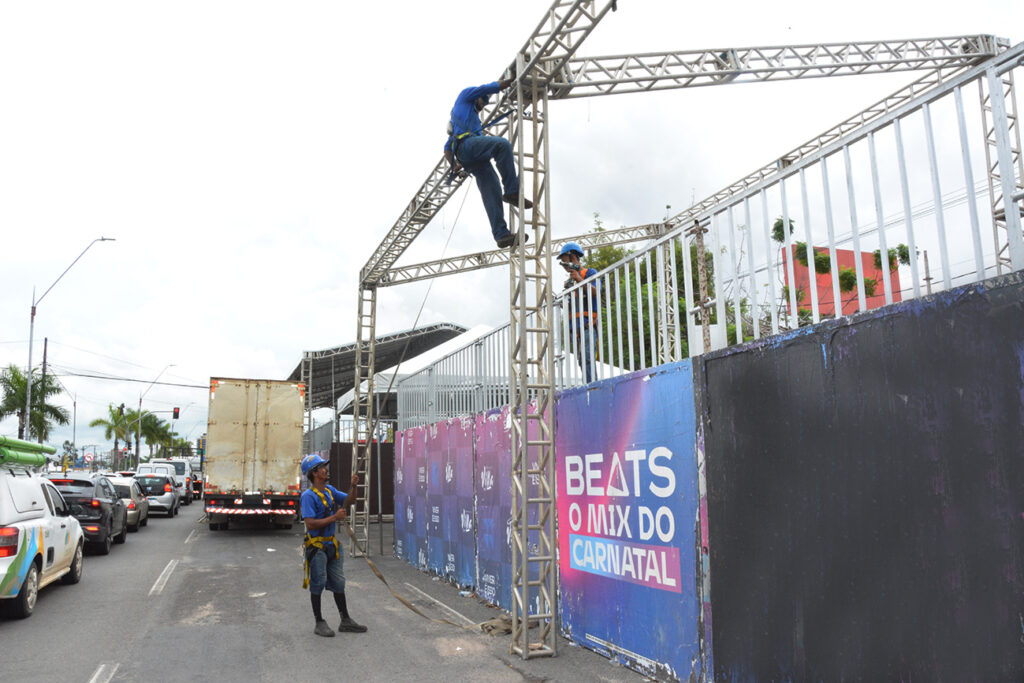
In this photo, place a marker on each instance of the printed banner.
(493, 507)
(459, 499)
(627, 511)
(437, 543)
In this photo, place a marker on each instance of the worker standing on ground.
(467, 147)
(583, 307)
(322, 506)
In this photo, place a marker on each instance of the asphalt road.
(179, 602)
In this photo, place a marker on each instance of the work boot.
(514, 200)
(510, 240)
(348, 624)
(322, 629)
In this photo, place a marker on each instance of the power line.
(68, 373)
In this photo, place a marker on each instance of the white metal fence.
(919, 199)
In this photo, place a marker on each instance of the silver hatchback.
(160, 492)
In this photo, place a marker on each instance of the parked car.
(183, 476)
(40, 542)
(95, 504)
(160, 492)
(134, 499)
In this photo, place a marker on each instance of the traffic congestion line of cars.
(48, 521)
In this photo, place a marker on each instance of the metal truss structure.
(590, 76)
(546, 68)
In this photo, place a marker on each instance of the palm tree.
(154, 430)
(114, 427)
(43, 415)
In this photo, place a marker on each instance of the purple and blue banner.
(459, 500)
(493, 485)
(628, 502)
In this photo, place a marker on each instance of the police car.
(40, 542)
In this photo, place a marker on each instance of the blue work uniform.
(474, 151)
(325, 563)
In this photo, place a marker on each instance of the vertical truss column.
(669, 308)
(362, 413)
(307, 403)
(999, 111)
(531, 383)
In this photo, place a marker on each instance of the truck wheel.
(75, 575)
(25, 603)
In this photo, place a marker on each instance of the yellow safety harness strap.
(319, 541)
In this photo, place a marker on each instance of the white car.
(182, 471)
(40, 542)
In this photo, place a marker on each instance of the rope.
(405, 350)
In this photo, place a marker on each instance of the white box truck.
(253, 451)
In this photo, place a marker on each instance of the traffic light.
(176, 411)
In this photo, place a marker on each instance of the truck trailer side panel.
(253, 447)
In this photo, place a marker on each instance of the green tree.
(115, 425)
(155, 431)
(602, 257)
(43, 415)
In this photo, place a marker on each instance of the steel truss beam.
(556, 38)
(972, 49)
(591, 76)
(500, 257)
(532, 387)
(860, 121)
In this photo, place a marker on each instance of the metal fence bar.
(754, 304)
(937, 192)
(680, 317)
(883, 245)
(858, 262)
(972, 205)
(812, 271)
(901, 159)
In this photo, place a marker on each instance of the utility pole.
(42, 381)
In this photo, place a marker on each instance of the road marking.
(161, 580)
(191, 536)
(104, 673)
(446, 608)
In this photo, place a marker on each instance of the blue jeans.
(475, 154)
(585, 352)
(326, 572)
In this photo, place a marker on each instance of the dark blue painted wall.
(866, 494)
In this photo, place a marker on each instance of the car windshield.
(152, 485)
(179, 467)
(123, 491)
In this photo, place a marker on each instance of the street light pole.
(138, 418)
(31, 331)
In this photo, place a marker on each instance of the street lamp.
(31, 330)
(138, 418)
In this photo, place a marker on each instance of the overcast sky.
(248, 157)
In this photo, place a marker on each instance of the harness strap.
(319, 542)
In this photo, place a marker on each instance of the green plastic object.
(18, 452)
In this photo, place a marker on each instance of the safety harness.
(319, 542)
(456, 139)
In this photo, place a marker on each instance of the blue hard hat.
(311, 462)
(571, 248)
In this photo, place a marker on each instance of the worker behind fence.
(468, 147)
(322, 506)
(582, 307)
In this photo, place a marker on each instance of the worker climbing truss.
(546, 69)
